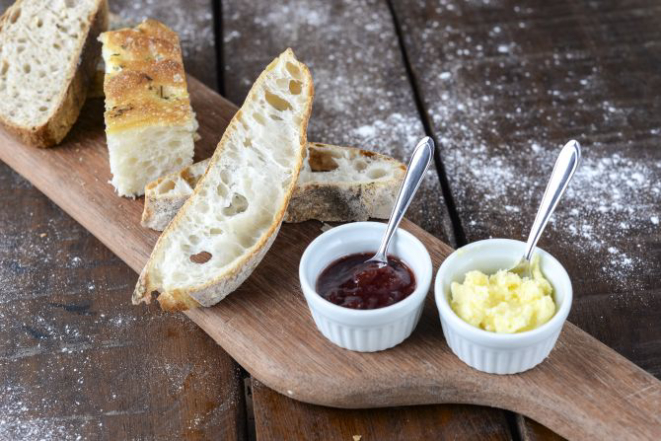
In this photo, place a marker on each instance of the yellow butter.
(504, 302)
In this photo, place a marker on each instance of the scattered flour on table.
(14, 427)
(497, 122)
(609, 198)
(57, 328)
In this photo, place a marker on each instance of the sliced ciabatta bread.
(336, 184)
(48, 52)
(150, 125)
(229, 222)
(342, 184)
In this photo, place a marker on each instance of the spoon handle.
(418, 165)
(563, 171)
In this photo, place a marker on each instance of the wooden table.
(499, 84)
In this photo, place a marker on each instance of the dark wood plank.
(362, 94)
(504, 84)
(278, 417)
(363, 97)
(76, 358)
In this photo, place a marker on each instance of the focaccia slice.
(150, 125)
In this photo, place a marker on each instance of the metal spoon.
(420, 160)
(563, 171)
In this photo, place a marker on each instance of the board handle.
(585, 390)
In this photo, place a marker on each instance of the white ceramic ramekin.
(365, 330)
(487, 351)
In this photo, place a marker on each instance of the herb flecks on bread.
(230, 221)
(150, 125)
(48, 54)
(336, 184)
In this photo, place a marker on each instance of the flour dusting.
(501, 110)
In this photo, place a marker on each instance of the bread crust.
(72, 99)
(158, 213)
(210, 293)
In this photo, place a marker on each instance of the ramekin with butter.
(494, 320)
(504, 302)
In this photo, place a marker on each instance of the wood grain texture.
(362, 94)
(278, 417)
(583, 390)
(504, 84)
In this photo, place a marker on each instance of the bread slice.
(166, 195)
(229, 222)
(336, 184)
(343, 184)
(150, 125)
(48, 53)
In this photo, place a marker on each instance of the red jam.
(352, 283)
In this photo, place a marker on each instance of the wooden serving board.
(584, 390)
